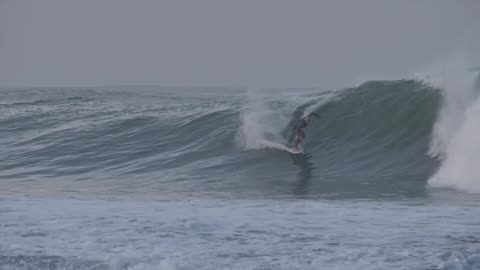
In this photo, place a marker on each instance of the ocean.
(148, 177)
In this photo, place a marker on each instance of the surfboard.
(269, 144)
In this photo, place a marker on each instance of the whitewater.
(147, 177)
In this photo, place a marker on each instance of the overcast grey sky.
(221, 42)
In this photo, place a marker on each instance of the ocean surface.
(147, 177)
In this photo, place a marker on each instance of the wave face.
(369, 141)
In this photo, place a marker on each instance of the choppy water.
(178, 178)
(70, 233)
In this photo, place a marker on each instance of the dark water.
(370, 141)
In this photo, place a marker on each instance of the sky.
(248, 43)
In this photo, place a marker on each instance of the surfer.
(299, 134)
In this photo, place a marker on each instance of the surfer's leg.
(298, 138)
(296, 142)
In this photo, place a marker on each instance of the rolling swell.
(370, 140)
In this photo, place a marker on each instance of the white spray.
(268, 113)
(259, 122)
(456, 139)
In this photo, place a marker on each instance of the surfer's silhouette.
(299, 134)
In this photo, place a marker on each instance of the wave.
(378, 130)
(381, 137)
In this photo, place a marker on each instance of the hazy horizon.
(237, 44)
